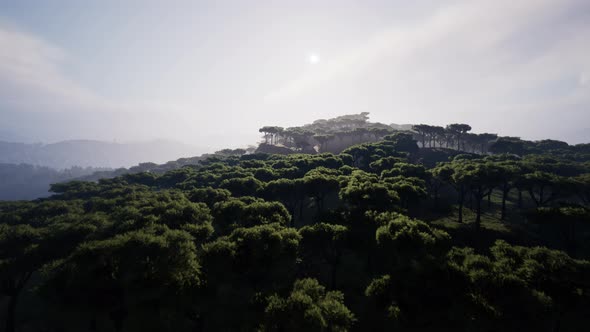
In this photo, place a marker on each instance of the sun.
(313, 58)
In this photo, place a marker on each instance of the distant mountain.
(10, 136)
(87, 153)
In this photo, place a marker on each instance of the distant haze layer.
(84, 153)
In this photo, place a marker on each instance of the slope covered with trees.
(390, 234)
(24, 181)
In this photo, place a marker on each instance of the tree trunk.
(519, 199)
(557, 324)
(435, 192)
(333, 275)
(503, 213)
(461, 198)
(490, 199)
(291, 210)
(300, 216)
(478, 212)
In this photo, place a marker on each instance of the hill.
(87, 153)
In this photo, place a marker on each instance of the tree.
(508, 175)
(322, 139)
(402, 142)
(209, 195)
(582, 187)
(480, 178)
(566, 222)
(19, 259)
(450, 173)
(246, 186)
(124, 276)
(405, 170)
(549, 273)
(510, 145)
(327, 241)
(290, 193)
(319, 187)
(411, 191)
(244, 268)
(234, 213)
(267, 131)
(544, 187)
(484, 140)
(308, 308)
(363, 192)
(458, 130)
(422, 131)
(412, 291)
(385, 163)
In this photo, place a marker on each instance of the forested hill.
(28, 182)
(406, 230)
(335, 135)
(87, 153)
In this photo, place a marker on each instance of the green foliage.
(308, 308)
(364, 192)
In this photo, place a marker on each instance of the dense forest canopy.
(349, 226)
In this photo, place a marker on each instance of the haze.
(211, 73)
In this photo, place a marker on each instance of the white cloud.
(31, 73)
(32, 78)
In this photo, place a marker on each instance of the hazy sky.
(213, 72)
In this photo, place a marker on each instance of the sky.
(210, 73)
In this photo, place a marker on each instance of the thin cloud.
(31, 73)
(478, 33)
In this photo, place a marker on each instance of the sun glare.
(313, 58)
